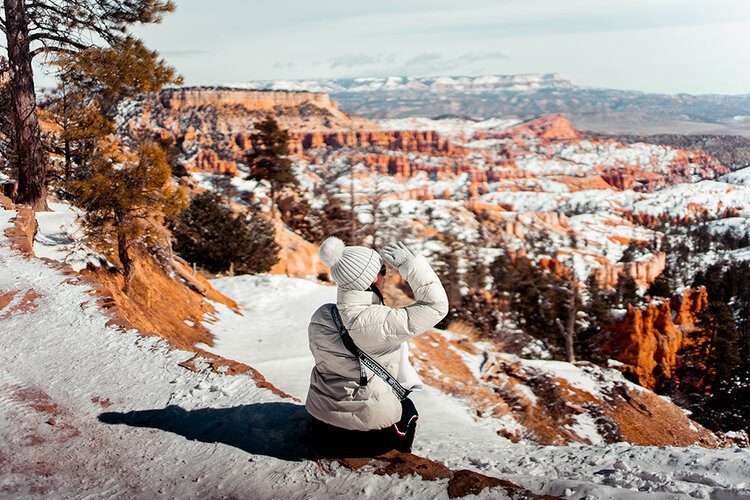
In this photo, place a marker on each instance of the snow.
(683, 200)
(740, 177)
(276, 310)
(484, 83)
(59, 237)
(585, 427)
(191, 435)
(198, 434)
(268, 323)
(449, 127)
(5, 219)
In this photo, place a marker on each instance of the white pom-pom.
(331, 251)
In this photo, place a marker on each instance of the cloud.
(420, 64)
(424, 58)
(432, 63)
(355, 60)
(471, 57)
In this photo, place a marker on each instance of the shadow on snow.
(275, 429)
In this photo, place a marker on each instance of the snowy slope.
(68, 381)
(90, 409)
(273, 338)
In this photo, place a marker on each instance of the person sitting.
(354, 411)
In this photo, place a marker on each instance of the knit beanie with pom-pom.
(352, 268)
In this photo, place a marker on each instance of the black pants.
(331, 441)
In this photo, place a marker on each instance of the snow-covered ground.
(272, 336)
(88, 409)
(59, 237)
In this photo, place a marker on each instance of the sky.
(671, 46)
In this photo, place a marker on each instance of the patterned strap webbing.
(365, 360)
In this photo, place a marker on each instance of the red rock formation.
(207, 160)
(686, 306)
(644, 272)
(551, 128)
(647, 339)
(423, 141)
(265, 100)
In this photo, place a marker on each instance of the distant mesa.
(527, 96)
(261, 100)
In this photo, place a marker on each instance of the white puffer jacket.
(335, 396)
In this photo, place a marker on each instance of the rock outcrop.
(647, 340)
(643, 271)
(180, 99)
(460, 483)
(547, 402)
(550, 127)
(297, 256)
(425, 141)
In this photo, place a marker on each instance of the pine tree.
(660, 288)
(572, 290)
(210, 235)
(56, 27)
(708, 361)
(8, 159)
(92, 83)
(125, 200)
(536, 298)
(597, 310)
(170, 147)
(81, 126)
(631, 252)
(269, 160)
(447, 268)
(626, 291)
(112, 74)
(721, 352)
(334, 219)
(261, 252)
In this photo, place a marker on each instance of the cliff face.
(644, 272)
(425, 141)
(494, 173)
(181, 99)
(212, 127)
(646, 340)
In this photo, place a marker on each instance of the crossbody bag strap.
(365, 360)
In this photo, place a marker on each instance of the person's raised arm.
(431, 300)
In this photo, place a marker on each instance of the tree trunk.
(66, 142)
(32, 186)
(714, 326)
(273, 200)
(68, 161)
(570, 331)
(125, 260)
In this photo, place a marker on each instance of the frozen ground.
(87, 409)
(272, 336)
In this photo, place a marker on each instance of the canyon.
(588, 197)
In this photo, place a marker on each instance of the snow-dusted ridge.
(483, 83)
